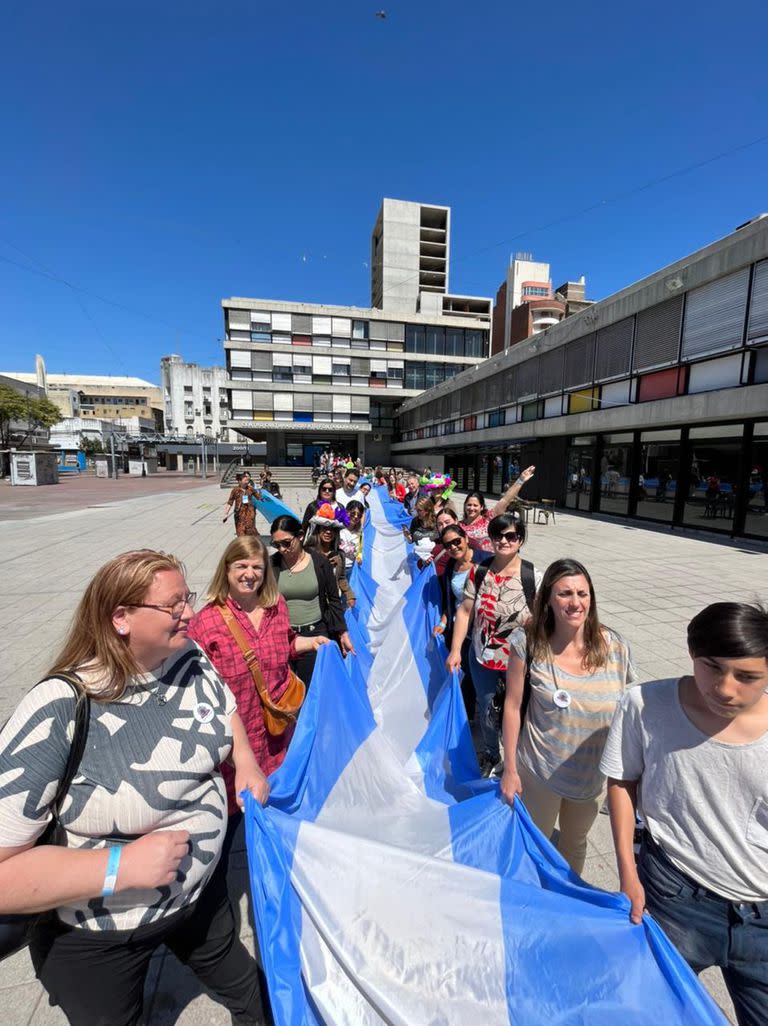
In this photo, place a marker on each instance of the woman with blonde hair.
(134, 858)
(243, 587)
(555, 726)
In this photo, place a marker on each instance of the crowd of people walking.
(154, 719)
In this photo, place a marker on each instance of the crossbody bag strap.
(247, 653)
(79, 737)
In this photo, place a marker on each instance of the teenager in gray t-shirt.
(692, 755)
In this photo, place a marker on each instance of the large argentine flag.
(392, 887)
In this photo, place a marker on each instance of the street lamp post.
(202, 447)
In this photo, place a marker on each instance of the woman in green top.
(308, 584)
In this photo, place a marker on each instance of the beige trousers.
(575, 817)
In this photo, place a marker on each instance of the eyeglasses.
(175, 611)
(453, 543)
(327, 488)
(507, 536)
(284, 544)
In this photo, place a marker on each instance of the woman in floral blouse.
(494, 604)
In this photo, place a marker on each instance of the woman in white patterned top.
(133, 861)
(578, 671)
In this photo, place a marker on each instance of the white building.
(195, 399)
(304, 377)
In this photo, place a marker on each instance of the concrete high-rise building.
(196, 399)
(307, 376)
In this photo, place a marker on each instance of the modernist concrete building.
(303, 377)
(651, 404)
(196, 399)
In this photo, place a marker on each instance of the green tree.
(13, 407)
(24, 409)
(90, 445)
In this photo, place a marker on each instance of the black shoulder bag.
(15, 929)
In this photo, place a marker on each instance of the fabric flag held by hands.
(392, 886)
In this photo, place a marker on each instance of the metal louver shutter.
(341, 402)
(239, 358)
(614, 350)
(579, 362)
(321, 326)
(242, 400)
(321, 364)
(360, 404)
(283, 401)
(714, 316)
(262, 400)
(657, 335)
(281, 359)
(551, 371)
(455, 402)
(260, 320)
(281, 322)
(466, 399)
(758, 307)
(360, 365)
(396, 333)
(378, 329)
(261, 361)
(527, 378)
(479, 397)
(240, 319)
(302, 402)
(301, 324)
(342, 327)
(508, 385)
(323, 403)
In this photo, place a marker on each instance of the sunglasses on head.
(509, 536)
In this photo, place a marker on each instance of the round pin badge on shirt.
(561, 698)
(203, 712)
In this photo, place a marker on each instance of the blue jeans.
(709, 930)
(484, 681)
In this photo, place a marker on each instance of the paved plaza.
(648, 583)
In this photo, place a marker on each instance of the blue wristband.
(113, 863)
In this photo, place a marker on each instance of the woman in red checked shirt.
(244, 581)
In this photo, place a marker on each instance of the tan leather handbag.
(278, 716)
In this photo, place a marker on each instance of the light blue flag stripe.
(390, 887)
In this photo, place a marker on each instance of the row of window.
(346, 333)
(724, 372)
(729, 315)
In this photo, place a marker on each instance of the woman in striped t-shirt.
(578, 671)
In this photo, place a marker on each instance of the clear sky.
(159, 156)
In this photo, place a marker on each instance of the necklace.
(154, 693)
(296, 569)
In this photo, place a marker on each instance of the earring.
(121, 630)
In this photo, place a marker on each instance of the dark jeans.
(98, 977)
(305, 664)
(710, 930)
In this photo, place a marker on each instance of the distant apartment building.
(195, 399)
(104, 397)
(526, 303)
(306, 376)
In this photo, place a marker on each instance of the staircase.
(286, 477)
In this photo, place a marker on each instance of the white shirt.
(343, 496)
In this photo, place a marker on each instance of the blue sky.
(161, 156)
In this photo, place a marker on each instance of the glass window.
(615, 479)
(712, 480)
(415, 338)
(757, 496)
(578, 485)
(359, 329)
(454, 342)
(435, 345)
(657, 481)
(414, 374)
(474, 342)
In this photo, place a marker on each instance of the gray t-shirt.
(151, 762)
(705, 802)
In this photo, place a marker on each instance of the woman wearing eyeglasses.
(308, 584)
(578, 672)
(134, 862)
(497, 598)
(326, 493)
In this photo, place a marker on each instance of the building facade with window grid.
(651, 404)
(305, 376)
